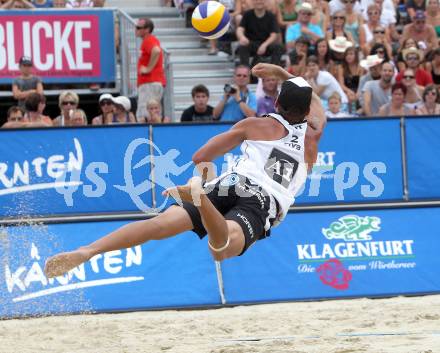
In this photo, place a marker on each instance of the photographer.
(238, 102)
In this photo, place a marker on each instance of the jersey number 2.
(281, 167)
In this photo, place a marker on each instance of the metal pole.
(403, 153)
(152, 174)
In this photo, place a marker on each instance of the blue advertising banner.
(358, 161)
(67, 171)
(423, 151)
(180, 143)
(340, 254)
(66, 46)
(154, 275)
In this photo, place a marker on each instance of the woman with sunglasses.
(366, 33)
(319, 16)
(67, 101)
(406, 44)
(396, 107)
(353, 20)
(337, 28)
(383, 48)
(430, 104)
(414, 92)
(106, 107)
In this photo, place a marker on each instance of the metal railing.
(129, 46)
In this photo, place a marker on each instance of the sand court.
(392, 325)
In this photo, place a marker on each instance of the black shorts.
(239, 200)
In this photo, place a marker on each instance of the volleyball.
(210, 19)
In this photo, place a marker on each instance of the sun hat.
(122, 101)
(339, 44)
(370, 61)
(412, 50)
(305, 6)
(105, 96)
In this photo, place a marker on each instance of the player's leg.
(173, 221)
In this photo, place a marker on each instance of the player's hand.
(261, 49)
(244, 41)
(263, 70)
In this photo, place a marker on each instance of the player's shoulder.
(259, 128)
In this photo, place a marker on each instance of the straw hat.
(370, 61)
(305, 6)
(412, 50)
(339, 44)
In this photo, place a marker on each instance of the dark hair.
(312, 59)
(356, 58)
(199, 89)
(428, 89)
(148, 23)
(327, 56)
(377, 46)
(14, 109)
(436, 52)
(32, 101)
(397, 86)
(303, 40)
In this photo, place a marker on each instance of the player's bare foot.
(190, 192)
(60, 264)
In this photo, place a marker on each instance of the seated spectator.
(430, 104)
(423, 33)
(155, 116)
(412, 6)
(434, 67)
(26, 83)
(42, 4)
(319, 17)
(269, 94)
(322, 52)
(122, 113)
(387, 19)
(349, 74)
(322, 82)
(366, 33)
(78, 118)
(377, 93)
(381, 51)
(379, 38)
(34, 105)
(286, 15)
(396, 106)
(338, 46)
(303, 27)
(15, 118)
(334, 107)
(413, 58)
(406, 44)
(373, 65)
(200, 110)
(67, 102)
(74, 4)
(353, 21)
(59, 3)
(433, 15)
(338, 5)
(238, 102)
(298, 57)
(233, 12)
(414, 92)
(257, 35)
(106, 106)
(338, 28)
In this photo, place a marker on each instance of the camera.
(229, 89)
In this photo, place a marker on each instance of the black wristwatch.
(240, 101)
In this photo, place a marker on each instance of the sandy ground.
(397, 325)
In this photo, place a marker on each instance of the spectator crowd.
(363, 58)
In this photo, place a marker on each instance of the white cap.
(124, 101)
(105, 96)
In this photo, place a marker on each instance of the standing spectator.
(122, 113)
(396, 106)
(74, 4)
(257, 35)
(377, 93)
(238, 102)
(303, 27)
(413, 57)
(266, 102)
(34, 105)
(106, 106)
(26, 83)
(155, 114)
(322, 82)
(423, 33)
(151, 75)
(42, 4)
(67, 102)
(200, 110)
(430, 104)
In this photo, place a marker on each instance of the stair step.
(152, 11)
(188, 52)
(198, 59)
(201, 66)
(184, 75)
(186, 99)
(176, 23)
(159, 32)
(133, 3)
(180, 38)
(183, 45)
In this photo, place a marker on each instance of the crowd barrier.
(66, 46)
(118, 170)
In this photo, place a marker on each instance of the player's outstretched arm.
(263, 70)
